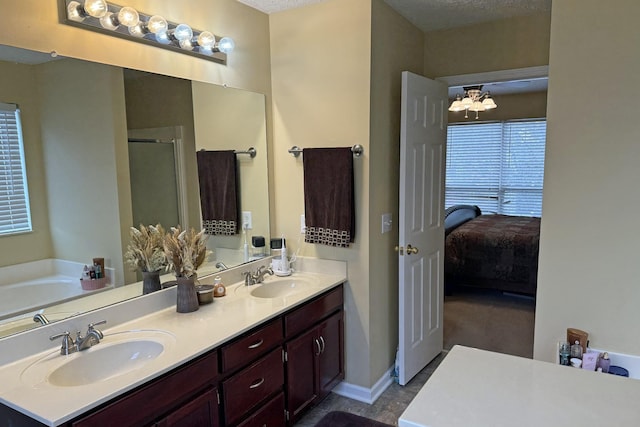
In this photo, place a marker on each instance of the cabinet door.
(270, 415)
(301, 373)
(202, 411)
(330, 359)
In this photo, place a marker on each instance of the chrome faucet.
(257, 277)
(69, 346)
(92, 337)
(41, 318)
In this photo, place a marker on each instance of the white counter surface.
(474, 387)
(195, 333)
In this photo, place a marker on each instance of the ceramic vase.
(150, 282)
(187, 300)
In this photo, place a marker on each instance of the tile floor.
(386, 409)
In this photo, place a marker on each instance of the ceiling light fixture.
(474, 100)
(126, 22)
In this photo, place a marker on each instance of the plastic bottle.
(576, 350)
(565, 353)
(605, 363)
(218, 288)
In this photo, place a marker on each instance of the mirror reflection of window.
(15, 214)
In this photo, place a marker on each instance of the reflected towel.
(328, 196)
(218, 191)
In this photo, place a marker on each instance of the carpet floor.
(489, 320)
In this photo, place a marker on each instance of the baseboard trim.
(363, 394)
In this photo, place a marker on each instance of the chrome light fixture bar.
(154, 30)
(474, 100)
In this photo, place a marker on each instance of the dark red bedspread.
(495, 251)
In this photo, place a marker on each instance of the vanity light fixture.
(474, 100)
(126, 22)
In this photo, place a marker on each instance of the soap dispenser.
(218, 288)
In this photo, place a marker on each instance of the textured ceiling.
(429, 15)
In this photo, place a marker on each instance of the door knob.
(400, 250)
(411, 250)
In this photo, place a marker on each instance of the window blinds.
(497, 166)
(15, 216)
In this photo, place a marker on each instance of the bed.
(491, 251)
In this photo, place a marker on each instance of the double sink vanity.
(261, 355)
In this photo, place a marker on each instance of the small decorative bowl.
(205, 294)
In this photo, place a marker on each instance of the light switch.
(386, 223)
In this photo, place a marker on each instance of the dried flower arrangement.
(145, 250)
(185, 250)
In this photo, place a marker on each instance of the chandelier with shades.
(474, 100)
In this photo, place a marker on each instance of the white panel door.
(423, 139)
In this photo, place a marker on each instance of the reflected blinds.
(14, 198)
(497, 166)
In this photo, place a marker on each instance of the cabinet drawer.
(254, 345)
(270, 415)
(252, 385)
(301, 319)
(145, 405)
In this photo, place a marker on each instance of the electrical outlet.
(303, 226)
(247, 222)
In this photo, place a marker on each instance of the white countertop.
(195, 333)
(474, 387)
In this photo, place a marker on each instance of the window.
(15, 216)
(497, 166)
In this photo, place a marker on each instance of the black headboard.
(457, 215)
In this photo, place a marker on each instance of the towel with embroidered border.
(329, 204)
(217, 176)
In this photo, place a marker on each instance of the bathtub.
(28, 287)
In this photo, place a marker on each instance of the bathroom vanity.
(250, 358)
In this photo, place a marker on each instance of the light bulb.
(74, 11)
(205, 51)
(108, 21)
(163, 37)
(136, 31)
(96, 8)
(488, 103)
(128, 16)
(226, 45)
(185, 44)
(157, 24)
(183, 32)
(206, 40)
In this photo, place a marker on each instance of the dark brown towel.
(218, 192)
(328, 196)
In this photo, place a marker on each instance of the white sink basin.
(115, 355)
(282, 287)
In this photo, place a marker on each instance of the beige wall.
(82, 164)
(499, 45)
(588, 273)
(321, 56)
(396, 46)
(18, 85)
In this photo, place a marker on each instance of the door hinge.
(218, 396)
(284, 356)
(286, 414)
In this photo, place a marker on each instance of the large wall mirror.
(107, 148)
